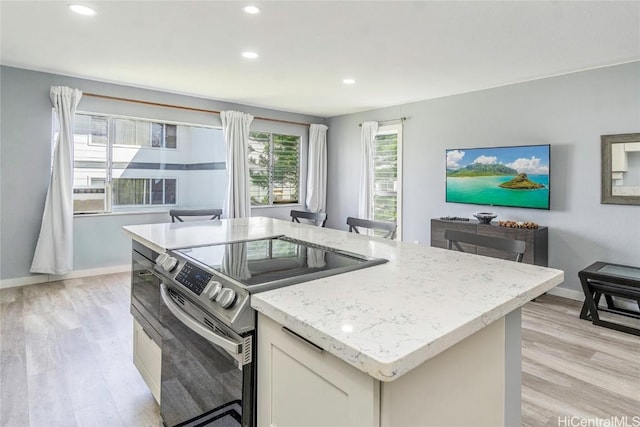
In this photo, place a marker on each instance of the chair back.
(178, 213)
(311, 216)
(455, 237)
(389, 227)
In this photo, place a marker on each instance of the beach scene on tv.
(499, 176)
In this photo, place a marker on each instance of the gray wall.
(25, 157)
(569, 112)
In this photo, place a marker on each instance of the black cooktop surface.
(277, 261)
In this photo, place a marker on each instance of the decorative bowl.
(485, 217)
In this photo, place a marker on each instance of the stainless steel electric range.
(208, 354)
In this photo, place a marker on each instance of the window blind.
(385, 196)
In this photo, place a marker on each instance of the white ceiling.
(397, 51)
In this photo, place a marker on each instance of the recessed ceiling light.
(252, 9)
(81, 9)
(250, 55)
(348, 81)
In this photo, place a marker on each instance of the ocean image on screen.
(500, 176)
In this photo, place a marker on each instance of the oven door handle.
(231, 346)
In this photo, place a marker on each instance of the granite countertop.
(384, 320)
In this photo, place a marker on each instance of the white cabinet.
(301, 386)
(147, 357)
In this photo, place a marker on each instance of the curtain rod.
(201, 110)
(401, 119)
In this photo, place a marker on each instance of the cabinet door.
(302, 386)
(147, 357)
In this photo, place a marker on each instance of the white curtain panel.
(316, 258)
(235, 261)
(235, 126)
(367, 136)
(54, 250)
(317, 169)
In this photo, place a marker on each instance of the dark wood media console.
(537, 240)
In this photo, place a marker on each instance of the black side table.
(610, 280)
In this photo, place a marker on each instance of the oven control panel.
(214, 293)
(193, 278)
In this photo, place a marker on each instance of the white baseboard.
(23, 281)
(579, 296)
(567, 293)
(44, 278)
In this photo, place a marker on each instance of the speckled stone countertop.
(384, 320)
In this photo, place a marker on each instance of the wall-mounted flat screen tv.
(516, 176)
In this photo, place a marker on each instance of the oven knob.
(226, 297)
(161, 258)
(215, 290)
(170, 264)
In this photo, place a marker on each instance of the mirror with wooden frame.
(621, 169)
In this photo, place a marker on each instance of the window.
(271, 249)
(93, 129)
(144, 191)
(387, 185)
(123, 163)
(144, 133)
(274, 168)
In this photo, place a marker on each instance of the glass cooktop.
(277, 261)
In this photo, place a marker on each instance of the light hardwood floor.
(66, 360)
(67, 356)
(571, 368)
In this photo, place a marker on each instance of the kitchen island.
(430, 338)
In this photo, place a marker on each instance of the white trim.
(164, 211)
(23, 281)
(579, 296)
(567, 293)
(44, 278)
(279, 205)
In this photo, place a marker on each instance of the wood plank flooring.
(571, 368)
(66, 356)
(66, 360)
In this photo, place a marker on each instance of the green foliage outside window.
(385, 197)
(274, 168)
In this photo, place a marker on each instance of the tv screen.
(515, 176)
